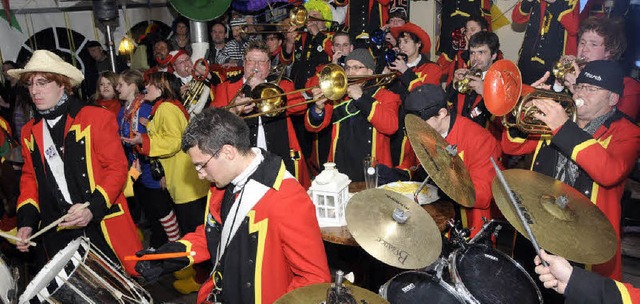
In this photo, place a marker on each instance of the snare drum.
(7, 284)
(484, 275)
(413, 287)
(80, 274)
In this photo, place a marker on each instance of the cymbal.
(371, 218)
(579, 232)
(447, 171)
(317, 293)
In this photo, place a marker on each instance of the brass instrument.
(502, 95)
(333, 83)
(196, 86)
(564, 67)
(298, 18)
(232, 103)
(462, 86)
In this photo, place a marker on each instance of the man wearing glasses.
(595, 154)
(275, 132)
(260, 233)
(362, 122)
(72, 156)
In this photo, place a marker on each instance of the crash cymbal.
(446, 170)
(579, 232)
(374, 218)
(317, 293)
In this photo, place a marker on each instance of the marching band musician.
(260, 233)
(362, 123)
(474, 144)
(415, 69)
(274, 134)
(595, 154)
(72, 155)
(483, 51)
(454, 15)
(341, 47)
(308, 50)
(184, 71)
(602, 39)
(552, 26)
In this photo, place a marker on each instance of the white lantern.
(329, 192)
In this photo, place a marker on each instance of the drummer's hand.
(23, 233)
(149, 270)
(77, 216)
(553, 114)
(556, 276)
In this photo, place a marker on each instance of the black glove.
(389, 175)
(151, 271)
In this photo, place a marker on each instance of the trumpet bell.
(270, 97)
(298, 16)
(333, 82)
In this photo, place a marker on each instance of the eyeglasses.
(200, 167)
(182, 62)
(588, 88)
(354, 68)
(41, 83)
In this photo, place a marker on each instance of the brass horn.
(504, 94)
(462, 86)
(333, 81)
(564, 67)
(298, 17)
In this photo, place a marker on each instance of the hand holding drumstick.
(78, 215)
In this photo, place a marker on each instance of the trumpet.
(502, 95)
(333, 83)
(462, 86)
(564, 67)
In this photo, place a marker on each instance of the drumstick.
(56, 223)
(15, 238)
(159, 256)
(523, 221)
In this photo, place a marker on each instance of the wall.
(79, 21)
(423, 13)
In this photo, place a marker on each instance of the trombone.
(298, 18)
(333, 83)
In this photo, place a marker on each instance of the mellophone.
(79, 273)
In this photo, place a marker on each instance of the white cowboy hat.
(46, 61)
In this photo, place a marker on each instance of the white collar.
(184, 80)
(415, 62)
(242, 178)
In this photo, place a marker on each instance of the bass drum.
(416, 287)
(8, 286)
(484, 275)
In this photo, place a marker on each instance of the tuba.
(462, 86)
(504, 94)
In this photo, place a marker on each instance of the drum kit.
(396, 231)
(79, 273)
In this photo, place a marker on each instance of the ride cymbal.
(563, 221)
(393, 229)
(446, 170)
(317, 293)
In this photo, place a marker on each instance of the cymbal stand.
(516, 206)
(338, 293)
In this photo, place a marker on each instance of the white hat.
(46, 61)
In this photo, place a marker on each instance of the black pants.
(191, 215)
(156, 204)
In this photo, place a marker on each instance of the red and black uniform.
(113, 105)
(366, 16)
(469, 105)
(279, 131)
(475, 146)
(95, 167)
(588, 287)
(552, 30)
(309, 52)
(277, 247)
(454, 16)
(361, 128)
(605, 159)
(424, 72)
(629, 102)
